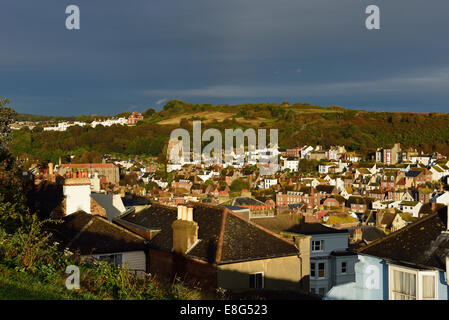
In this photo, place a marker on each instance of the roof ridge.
(260, 227)
(121, 227)
(87, 225)
(393, 234)
(221, 237)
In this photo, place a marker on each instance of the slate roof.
(413, 173)
(93, 234)
(278, 223)
(421, 244)
(246, 201)
(287, 223)
(369, 234)
(387, 218)
(235, 208)
(135, 201)
(224, 236)
(325, 188)
(427, 208)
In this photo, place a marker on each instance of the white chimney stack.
(77, 193)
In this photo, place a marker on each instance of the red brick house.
(135, 117)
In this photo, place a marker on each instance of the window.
(256, 280)
(343, 267)
(428, 287)
(404, 285)
(321, 270)
(115, 259)
(312, 270)
(317, 245)
(411, 284)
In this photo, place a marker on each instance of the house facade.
(216, 248)
(409, 264)
(330, 261)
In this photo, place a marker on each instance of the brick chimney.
(185, 230)
(433, 205)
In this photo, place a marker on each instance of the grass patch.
(15, 285)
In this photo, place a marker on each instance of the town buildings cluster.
(64, 125)
(322, 230)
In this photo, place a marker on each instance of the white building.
(268, 183)
(290, 163)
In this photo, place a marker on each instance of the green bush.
(31, 251)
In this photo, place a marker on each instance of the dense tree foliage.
(299, 124)
(239, 184)
(13, 209)
(7, 116)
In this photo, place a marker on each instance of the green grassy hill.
(299, 124)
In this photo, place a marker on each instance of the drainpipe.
(447, 270)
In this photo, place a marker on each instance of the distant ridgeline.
(299, 124)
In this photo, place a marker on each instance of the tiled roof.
(325, 188)
(292, 225)
(224, 236)
(92, 234)
(88, 165)
(422, 244)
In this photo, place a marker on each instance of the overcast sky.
(132, 55)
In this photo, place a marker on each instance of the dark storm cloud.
(131, 55)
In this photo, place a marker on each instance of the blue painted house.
(409, 264)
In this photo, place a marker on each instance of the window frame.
(255, 280)
(101, 257)
(318, 271)
(314, 270)
(345, 263)
(420, 281)
(419, 274)
(321, 245)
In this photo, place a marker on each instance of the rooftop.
(224, 237)
(422, 244)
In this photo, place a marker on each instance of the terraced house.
(213, 247)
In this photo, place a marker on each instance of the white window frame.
(321, 245)
(419, 280)
(421, 274)
(263, 278)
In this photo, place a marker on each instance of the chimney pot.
(180, 212)
(189, 214)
